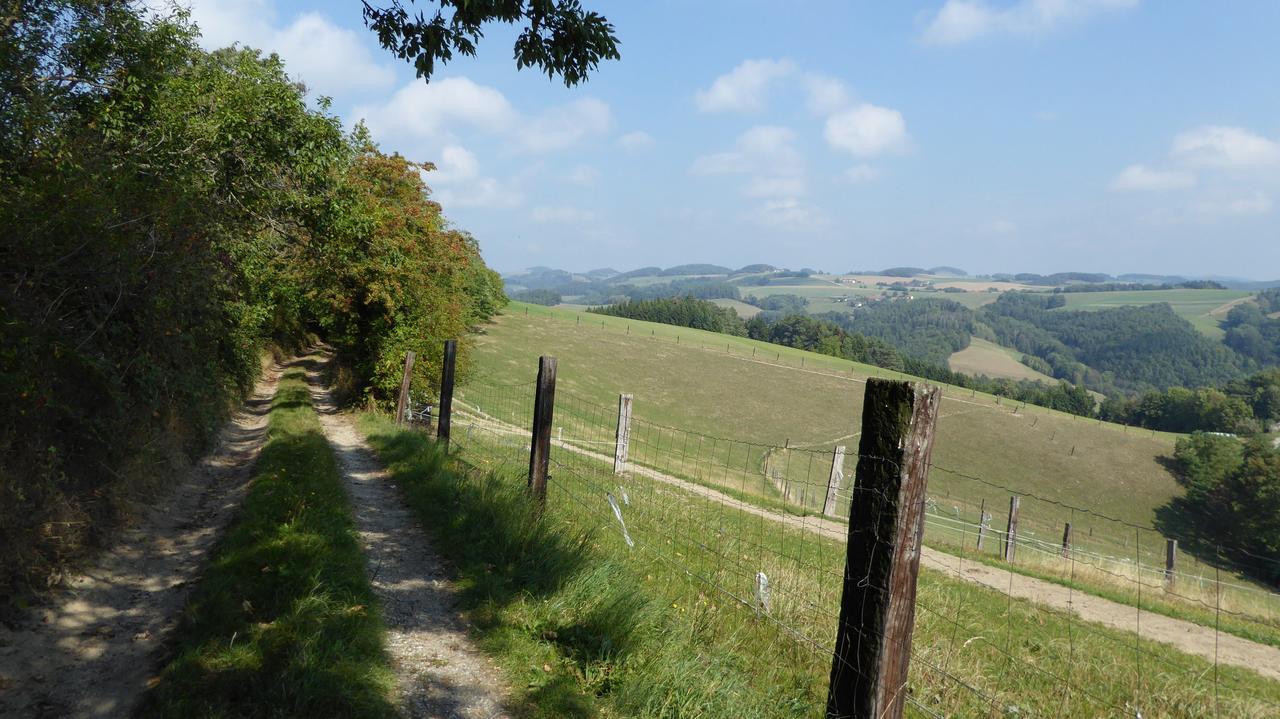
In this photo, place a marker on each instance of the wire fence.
(758, 533)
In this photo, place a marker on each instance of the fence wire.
(763, 527)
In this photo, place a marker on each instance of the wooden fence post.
(403, 402)
(1011, 531)
(1066, 541)
(1170, 561)
(886, 524)
(623, 439)
(446, 392)
(833, 481)
(543, 407)
(983, 519)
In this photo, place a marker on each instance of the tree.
(559, 36)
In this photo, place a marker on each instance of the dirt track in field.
(439, 671)
(1188, 637)
(91, 651)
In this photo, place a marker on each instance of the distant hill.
(903, 271)
(603, 273)
(695, 269)
(948, 271)
(754, 269)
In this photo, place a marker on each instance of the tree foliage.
(166, 214)
(679, 311)
(1232, 500)
(557, 36)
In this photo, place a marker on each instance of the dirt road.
(92, 650)
(1188, 637)
(440, 672)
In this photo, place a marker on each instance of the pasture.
(988, 358)
(1202, 308)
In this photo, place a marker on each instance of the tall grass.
(284, 622)
(593, 626)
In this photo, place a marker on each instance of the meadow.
(635, 598)
(760, 421)
(1202, 308)
(988, 358)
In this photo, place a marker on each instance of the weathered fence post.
(446, 392)
(1066, 541)
(983, 520)
(1011, 531)
(833, 481)
(623, 439)
(543, 407)
(403, 401)
(886, 523)
(1170, 560)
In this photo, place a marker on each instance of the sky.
(993, 135)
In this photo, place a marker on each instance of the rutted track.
(91, 651)
(1186, 636)
(439, 671)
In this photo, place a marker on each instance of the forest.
(171, 215)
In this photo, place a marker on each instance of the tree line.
(168, 214)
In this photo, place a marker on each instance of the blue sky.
(1015, 135)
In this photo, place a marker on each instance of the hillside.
(988, 358)
(775, 399)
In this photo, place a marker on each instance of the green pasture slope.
(711, 383)
(1196, 306)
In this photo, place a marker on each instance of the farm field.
(744, 310)
(988, 358)
(1196, 306)
(813, 400)
(762, 428)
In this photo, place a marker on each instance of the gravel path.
(440, 672)
(91, 651)
(1188, 637)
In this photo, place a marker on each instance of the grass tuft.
(284, 622)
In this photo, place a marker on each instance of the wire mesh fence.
(757, 533)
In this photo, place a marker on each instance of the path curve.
(92, 650)
(439, 671)
(1188, 637)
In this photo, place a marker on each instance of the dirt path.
(1188, 637)
(440, 673)
(91, 651)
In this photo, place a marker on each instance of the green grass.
(711, 387)
(284, 622)
(592, 627)
(988, 358)
(1195, 306)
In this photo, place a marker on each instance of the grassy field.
(988, 358)
(744, 310)
(1196, 306)
(759, 422)
(663, 617)
(284, 622)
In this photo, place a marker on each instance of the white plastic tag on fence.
(762, 591)
(618, 513)
(622, 491)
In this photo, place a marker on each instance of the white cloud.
(1225, 147)
(1143, 178)
(1254, 204)
(787, 213)
(961, 21)
(861, 173)
(826, 94)
(561, 215)
(458, 182)
(582, 175)
(867, 130)
(763, 149)
(565, 126)
(998, 227)
(428, 111)
(634, 141)
(744, 88)
(328, 58)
